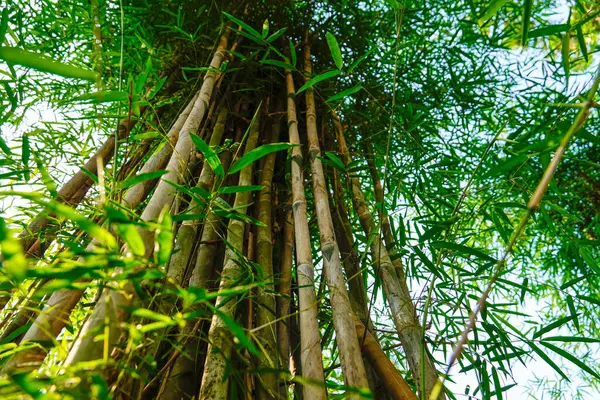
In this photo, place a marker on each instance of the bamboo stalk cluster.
(239, 285)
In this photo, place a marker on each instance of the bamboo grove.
(237, 234)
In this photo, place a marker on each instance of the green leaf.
(573, 311)
(552, 326)
(13, 55)
(237, 331)
(463, 249)
(593, 300)
(359, 60)
(245, 26)
(508, 165)
(25, 151)
(527, 5)
(276, 35)
(337, 162)
(257, 154)
(334, 47)
(571, 358)
(149, 314)
(570, 339)
(3, 25)
(265, 28)
(524, 289)
(586, 254)
(209, 155)
(164, 240)
(239, 189)
(277, 63)
(5, 147)
(566, 52)
(497, 385)
(492, 9)
(293, 53)
(319, 78)
(130, 234)
(549, 30)
(344, 93)
(134, 180)
(104, 96)
(581, 41)
(548, 360)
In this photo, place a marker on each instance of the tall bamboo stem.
(396, 291)
(220, 338)
(264, 257)
(111, 309)
(310, 340)
(343, 316)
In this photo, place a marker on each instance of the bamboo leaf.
(132, 237)
(253, 32)
(359, 60)
(552, 326)
(293, 53)
(276, 35)
(93, 229)
(277, 63)
(3, 25)
(334, 47)
(318, 78)
(497, 385)
(571, 358)
(566, 51)
(210, 156)
(149, 314)
(104, 96)
(239, 189)
(586, 254)
(164, 240)
(5, 147)
(548, 360)
(590, 299)
(573, 311)
(344, 93)
(527, 5)
(134, 180)
(571, 339)
(258, 153)
(13, 55)
(463, 249)
(237, 331)
(582, 45)
(549, 30)
(492, 9)
(337, 162)
(25, 151)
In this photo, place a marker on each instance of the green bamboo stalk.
(111, 309)
(397, 293)
(184, 369)
(310, 340)
(220, 338)
(265, 298)
(343, 316)
(285, 293)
